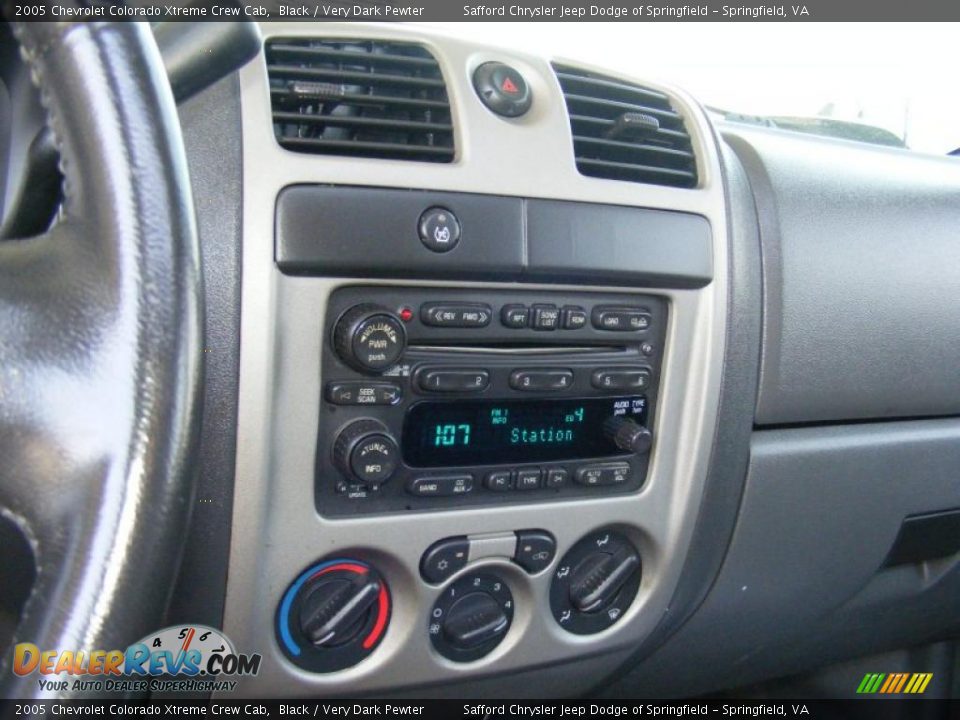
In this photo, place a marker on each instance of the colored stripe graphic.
(901, 683)
(894, 683)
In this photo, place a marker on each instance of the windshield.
(895, 77)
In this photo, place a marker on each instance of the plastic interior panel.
(804, 583)
(861, 257)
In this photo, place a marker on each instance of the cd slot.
(517, 350)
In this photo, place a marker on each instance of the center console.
(477, 396)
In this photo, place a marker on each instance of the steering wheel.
(100, 350)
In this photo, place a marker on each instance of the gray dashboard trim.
(861, 258)
(730, 457)
(617, 245)
(804, 582)
(212, 135)
(365, 231)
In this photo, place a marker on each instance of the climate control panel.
(439, 398)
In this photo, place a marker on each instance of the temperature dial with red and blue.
(333, 615)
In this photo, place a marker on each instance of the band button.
(441, 486)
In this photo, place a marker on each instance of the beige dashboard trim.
(276, 529)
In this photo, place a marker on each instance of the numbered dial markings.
(471, 617)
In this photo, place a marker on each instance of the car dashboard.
(543, 383)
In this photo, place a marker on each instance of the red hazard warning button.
(502, 89)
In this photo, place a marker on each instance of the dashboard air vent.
(623, 131)
(362, 98)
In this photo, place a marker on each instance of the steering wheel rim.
(100, 350)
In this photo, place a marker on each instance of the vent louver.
(623, 131)
(361, 98)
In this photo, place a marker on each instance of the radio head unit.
(440, 398)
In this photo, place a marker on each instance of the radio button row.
(528, 479)
(499, 481)
(546, 317)
(444, 486)
(515, 317)
(452, 380)
(608, 474)
(363, 393)
(541, 380)
(459, 315)
(621, 379)
(573, 317)
(620, 319)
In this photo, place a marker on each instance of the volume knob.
(369, 338)
(627, 435)
(366, 452)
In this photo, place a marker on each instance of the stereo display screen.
(492, 432)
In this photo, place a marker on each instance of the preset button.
(452, 380)
(541, 380)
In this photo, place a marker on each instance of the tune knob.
(369, 338)
(366, 452)
(628, 435)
